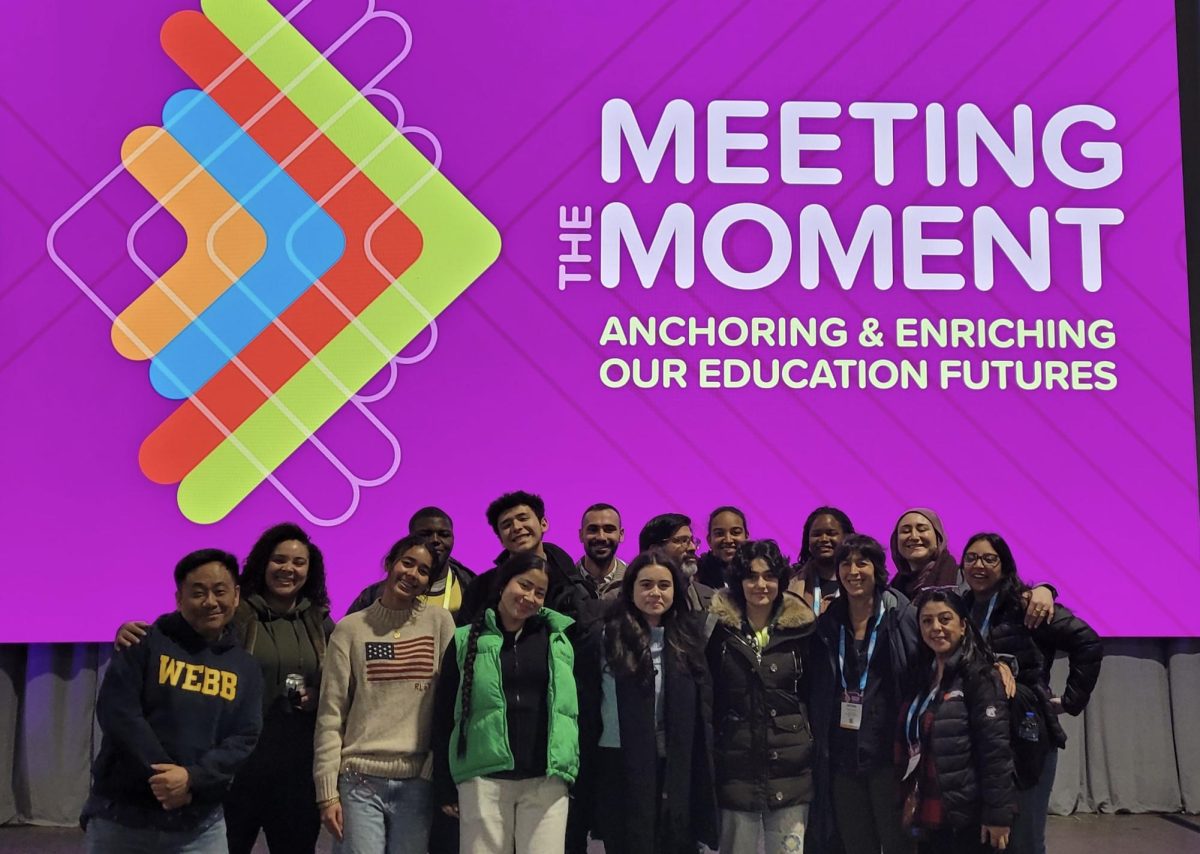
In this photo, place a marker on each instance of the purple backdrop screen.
(331, 263)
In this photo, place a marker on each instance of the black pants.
(274, 791)
(443, 833)
(613, 823)
(948, 841)
(868, 813)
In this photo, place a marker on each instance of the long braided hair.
(627, 634)
(516, 565)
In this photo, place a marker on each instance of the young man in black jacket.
(519, 520)
(179, 713)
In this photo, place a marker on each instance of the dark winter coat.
(566, 594)
(970, 744)
(711, 572)
(687, 810)
(895, 649)
(763, 741)
(1034, 651)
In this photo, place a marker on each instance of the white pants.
(495, 815)
(782, 831)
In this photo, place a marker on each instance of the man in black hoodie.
(519, 520)
(179, 713)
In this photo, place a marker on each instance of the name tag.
(852, 710)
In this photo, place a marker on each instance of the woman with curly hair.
(764, 740)
(506, 725)
(283, 621)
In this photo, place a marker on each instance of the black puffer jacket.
(1034, 652)
(763, 742)
(970, 745)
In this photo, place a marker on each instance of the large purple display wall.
(672, 256)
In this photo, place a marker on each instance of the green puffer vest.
(487, 747)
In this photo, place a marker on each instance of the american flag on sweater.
(391, 661)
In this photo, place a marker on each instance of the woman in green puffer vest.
(507, 719)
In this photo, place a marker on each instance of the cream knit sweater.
(376, 711)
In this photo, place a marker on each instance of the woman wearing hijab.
(923, 560)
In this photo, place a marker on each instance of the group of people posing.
(733, 701)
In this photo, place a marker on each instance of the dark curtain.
(1136, 748)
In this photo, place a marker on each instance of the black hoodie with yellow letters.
(173, 698)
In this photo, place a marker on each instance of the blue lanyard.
(914, 736)
(817, 601)
(987, 618)
(862, 676)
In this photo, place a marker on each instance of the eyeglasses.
(990, 561)
(683, 541)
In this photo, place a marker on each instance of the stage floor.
(1080, 834)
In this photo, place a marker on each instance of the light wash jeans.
(782, 831)
(499, 814)
(108, 837)
(384, 816)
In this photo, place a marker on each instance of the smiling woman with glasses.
(996, 603)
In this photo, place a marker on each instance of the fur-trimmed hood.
(792, 614)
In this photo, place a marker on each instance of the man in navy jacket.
(179, 713)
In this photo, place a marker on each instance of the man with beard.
(726, 531)
(519, 520)
(449, 581)
(672, 532)
(600, 532)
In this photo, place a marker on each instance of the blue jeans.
(108, 837)
(382, 816)
(1029, 830)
